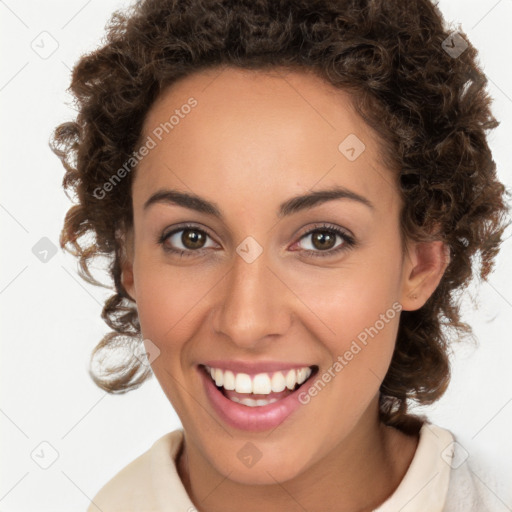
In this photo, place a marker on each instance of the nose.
(251, 307)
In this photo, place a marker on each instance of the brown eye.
(323, 240)
(186, 241)
(193, 238)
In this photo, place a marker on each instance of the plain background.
(51, 318)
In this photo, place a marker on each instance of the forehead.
(248, 131)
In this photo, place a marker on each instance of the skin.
(254, 140)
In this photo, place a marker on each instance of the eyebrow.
(289, 207)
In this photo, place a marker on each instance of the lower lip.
(255, 419)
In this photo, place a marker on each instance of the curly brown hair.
(429, 106)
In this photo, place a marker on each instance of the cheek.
(161, 299)
(355, 316)
(368, 313)
(166, 299)
(344, 304)
(366, 325)
(165, 302)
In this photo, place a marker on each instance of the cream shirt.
(437, 480)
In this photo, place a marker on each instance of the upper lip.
(254, 367)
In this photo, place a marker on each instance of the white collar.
(425, 484)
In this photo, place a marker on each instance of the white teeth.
(303, 374)
(253, 403)
(229, 380)
(243, 383)
(278, 382)
(261, 402)
(291, 379)
(249, 402)
(219, 377)
(260, 384)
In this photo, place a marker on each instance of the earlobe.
(424, 266)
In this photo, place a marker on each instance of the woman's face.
(266, 283)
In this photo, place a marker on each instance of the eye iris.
(192, 239)
(323, 237)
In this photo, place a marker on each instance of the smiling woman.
(289, 251)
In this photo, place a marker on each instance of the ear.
(424, 266)
(127, 257)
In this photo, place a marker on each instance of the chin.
(257, 463)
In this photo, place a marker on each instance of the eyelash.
(348, 241)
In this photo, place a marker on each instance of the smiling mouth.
(260, 389)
